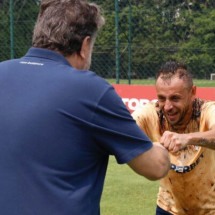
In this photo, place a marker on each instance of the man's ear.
(85, 48)
(194, 90)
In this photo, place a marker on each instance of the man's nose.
(168, 105)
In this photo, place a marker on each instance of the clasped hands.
(174, 142)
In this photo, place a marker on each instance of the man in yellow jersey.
(185, 125)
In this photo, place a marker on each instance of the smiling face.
(175, 98)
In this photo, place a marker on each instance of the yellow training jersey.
(189, 187)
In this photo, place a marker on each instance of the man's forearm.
(203, 139)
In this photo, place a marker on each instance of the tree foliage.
(16, 26)
(162, 30)
(140, 34)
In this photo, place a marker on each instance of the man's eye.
(175, 99)
(161, 99)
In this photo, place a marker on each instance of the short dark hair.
(62, 25)
(174, 68)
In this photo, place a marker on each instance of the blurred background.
(138, 37)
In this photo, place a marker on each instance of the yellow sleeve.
(147, 119)
(207, 119)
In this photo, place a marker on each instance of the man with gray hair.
(60, 122)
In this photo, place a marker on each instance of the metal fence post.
(11, 31)
(117, 41)
(129, 44)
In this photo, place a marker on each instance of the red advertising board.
(138, 95)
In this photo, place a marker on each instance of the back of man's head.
(62, 25)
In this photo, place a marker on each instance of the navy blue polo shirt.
(58, 127)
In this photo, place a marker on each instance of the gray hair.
(62, 25)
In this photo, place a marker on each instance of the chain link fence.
(137, 38)
(17, 18)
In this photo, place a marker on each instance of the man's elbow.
(160, 170)
(153, 164)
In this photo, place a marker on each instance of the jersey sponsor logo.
(31, 63)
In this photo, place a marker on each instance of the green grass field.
(126, 193)
(197, 82)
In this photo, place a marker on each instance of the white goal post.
(212, 76)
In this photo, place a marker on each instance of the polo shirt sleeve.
(116, 131)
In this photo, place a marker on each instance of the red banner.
(138, 95)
